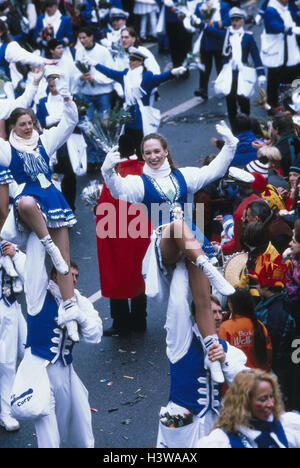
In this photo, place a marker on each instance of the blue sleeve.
(156, 80)
(86, 13)
(225, 8)
(113, 74)
(273, 22)
(69, 31)
(215, 32)
(256, 57)
(38, 28)
(41, 113)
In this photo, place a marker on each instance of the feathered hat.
(270, 273)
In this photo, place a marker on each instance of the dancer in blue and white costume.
(40, 207)
(161, 184)
(6, 108)
(192, 391)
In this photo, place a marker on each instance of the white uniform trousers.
(70, 419)
(12, 340)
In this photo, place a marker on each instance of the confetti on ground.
(104, 380)
(132, 352)
(151, 363)
(122, 350)
(128, 377)
(94, 410)
(126, 421)
(101, 350)
(111, 410)
(138, 390)
(110, 384)
(125, 437)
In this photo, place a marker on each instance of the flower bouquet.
(90, 194)
(82, 106)
(84, 68)
(105, 133)
(207, 11)
(193, 62)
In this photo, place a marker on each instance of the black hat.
(295, 167)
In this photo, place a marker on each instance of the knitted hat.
(259, 167)
(270, 273)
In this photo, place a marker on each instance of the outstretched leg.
(31, 215)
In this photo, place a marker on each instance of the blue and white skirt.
(52, 204)
(6, 176)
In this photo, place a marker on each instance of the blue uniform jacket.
(149, 82)
(249, 48)
(64, 33)
(274, 23)
(208, 42)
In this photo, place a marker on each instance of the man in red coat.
(120, 255)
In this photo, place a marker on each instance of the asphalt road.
(134, 370)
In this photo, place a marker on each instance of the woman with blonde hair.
(253, 416)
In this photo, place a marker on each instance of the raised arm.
(131, 187)
(199, 177)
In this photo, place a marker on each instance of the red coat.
(120, 258)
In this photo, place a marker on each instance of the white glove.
(178, 71)
(111, 160)
(169, 3)
(196, 21)
(62, 87)
(223, 129)
(257, 19)
(296, 30)
(261, 80)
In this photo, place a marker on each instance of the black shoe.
(115, 332)
(201, 93)
(151, 39)
(140, 326)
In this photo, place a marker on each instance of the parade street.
(128, 378)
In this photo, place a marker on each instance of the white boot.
(56, 257)
(214, 367)
(17, 285)
(72, 326)
(215, 277)
(8, 266)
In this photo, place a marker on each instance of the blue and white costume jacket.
(148, 83)
(248, 47)
(50, 342)
(284, 433)
(278, 36)
(64, 32)
(191, 386)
